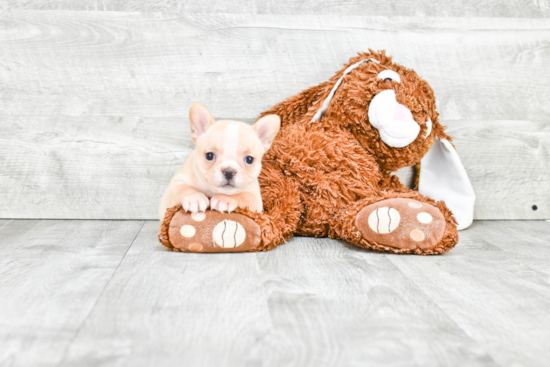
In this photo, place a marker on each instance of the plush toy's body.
(328, 173)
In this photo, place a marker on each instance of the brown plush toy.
(328, 172)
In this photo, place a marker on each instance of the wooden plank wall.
(93, 105)
(448, 8)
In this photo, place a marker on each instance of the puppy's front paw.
(195, 203)
(223, 203)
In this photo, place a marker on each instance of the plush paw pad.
(229, 234)
(402, 223)
(213, 231)
(384, 220)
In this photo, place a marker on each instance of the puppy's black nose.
(228, 173)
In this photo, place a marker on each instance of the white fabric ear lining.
(443, 177)
(429, 131)
(326, 102)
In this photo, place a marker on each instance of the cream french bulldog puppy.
(222, 172)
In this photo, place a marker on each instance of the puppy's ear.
(201, 119)
(267, 128)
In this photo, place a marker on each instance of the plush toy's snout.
(394, 122)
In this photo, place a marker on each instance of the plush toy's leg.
(210, 231)
(241, 230)
(399, 223)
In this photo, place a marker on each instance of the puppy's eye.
(390, 76)
(210, 156)
(249, 160)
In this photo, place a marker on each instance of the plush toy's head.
(391, 111)
(389, 108)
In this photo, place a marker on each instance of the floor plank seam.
(77, 332)
(444, 312)
(262, 274)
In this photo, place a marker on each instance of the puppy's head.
(229, 153)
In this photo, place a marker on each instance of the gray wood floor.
(89, 293)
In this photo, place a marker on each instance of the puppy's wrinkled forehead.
(232, 138)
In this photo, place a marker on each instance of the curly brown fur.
(163, 235)
(392, 183)
(282, 208)
(312, 157)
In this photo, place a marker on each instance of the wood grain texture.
(508, 163)
(112, 168)
(336, 305)
(310, 302)
(89, 167)
(51, 274)
(158, 64)
(93, 105)
(525, 242)
(164, 309)
(489, 287)
(467, 8)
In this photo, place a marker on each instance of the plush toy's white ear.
(443, 177)
(327, 100)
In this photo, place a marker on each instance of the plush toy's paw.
(195, 203)
(223, 203)
(210, 231)
(402, 223)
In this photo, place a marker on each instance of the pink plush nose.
(402, 113)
